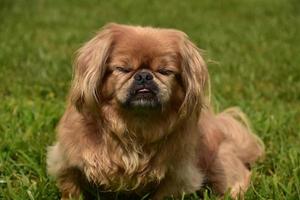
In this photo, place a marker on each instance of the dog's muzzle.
(144, 90)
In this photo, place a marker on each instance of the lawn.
(252, 49)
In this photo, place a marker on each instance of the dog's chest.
(117, 169)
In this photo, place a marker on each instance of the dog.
(139, 123)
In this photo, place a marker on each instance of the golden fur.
(163, 150)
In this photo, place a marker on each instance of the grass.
(252, 49)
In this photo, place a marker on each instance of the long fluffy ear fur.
(194, 78)
(89, 69)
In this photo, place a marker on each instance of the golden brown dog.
(138, 121)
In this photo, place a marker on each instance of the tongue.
(144, 90)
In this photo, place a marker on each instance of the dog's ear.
(90, 68)
(194, 77)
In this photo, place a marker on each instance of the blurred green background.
(251, 46)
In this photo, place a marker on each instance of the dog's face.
(143, 70)
(139, 69)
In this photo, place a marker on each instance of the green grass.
(252, 48)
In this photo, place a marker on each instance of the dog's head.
(139, 69)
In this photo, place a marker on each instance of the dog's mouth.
(143, 97)
(144, 92)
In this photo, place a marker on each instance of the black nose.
(143, 77)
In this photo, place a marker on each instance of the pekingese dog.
(138, 122)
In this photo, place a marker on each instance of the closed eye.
(123, 69)
(165, 72)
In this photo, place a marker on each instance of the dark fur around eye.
(123, 69)
(165, 72)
